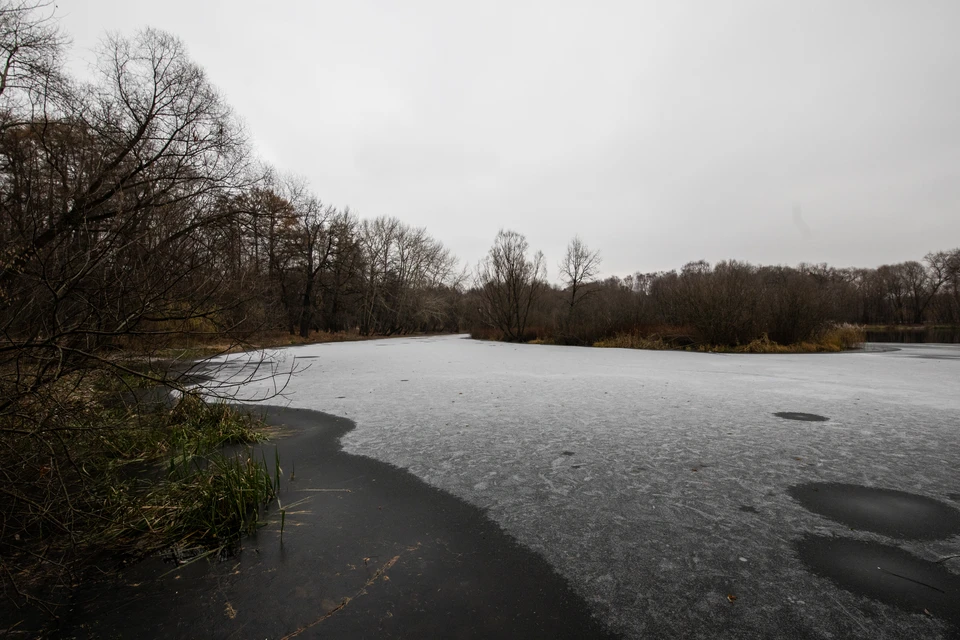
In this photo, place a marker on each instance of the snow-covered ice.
(656, 482)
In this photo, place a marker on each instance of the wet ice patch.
(885, 573)
(885, 511)
(803, 417)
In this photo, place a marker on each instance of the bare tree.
(116, 207)
(922, 282)
(31, 53)
(510, 282)
(895, 290)
(404, 275)
(577, 269)
(936, 273)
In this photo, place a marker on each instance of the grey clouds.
(661, 132)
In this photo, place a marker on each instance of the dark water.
(889, 512)
(880, 571)
(804, 417)
(947, 335)
(368, 551)
(885, 573)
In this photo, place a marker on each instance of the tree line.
(134, 216)
(133, 208)
(726, 304)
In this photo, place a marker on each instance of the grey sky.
(661, 132)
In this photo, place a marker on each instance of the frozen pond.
(658, 483)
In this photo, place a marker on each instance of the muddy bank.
(368, 550)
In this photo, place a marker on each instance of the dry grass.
(834, 338)
(192, 347)
(844, 336)
(635, 341)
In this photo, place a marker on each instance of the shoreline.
(367, 549)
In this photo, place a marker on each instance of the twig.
(376, 576)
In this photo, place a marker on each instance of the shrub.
(841, 337)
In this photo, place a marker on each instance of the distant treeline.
(726, 304)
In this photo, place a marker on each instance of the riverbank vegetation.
(99, 469)
(830, 339)
(729, 306)
(139, 231)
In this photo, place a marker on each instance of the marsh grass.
(830, 339)
(195, 347)
(206, 502)
(138, 480)
(194, 494)
(636, 341)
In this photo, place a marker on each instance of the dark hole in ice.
(805, 417)
(567, 453)
(885, 573)
(891, 513)
(748, 509)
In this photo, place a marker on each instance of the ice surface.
(646, 518)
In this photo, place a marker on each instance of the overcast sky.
(661, 132)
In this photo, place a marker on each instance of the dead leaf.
(731, 597)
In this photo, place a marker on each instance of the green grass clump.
(197, 423)
(205, 501)
(200, 496)
(142, 433)
(164, 479)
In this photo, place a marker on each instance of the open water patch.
(885, 573)
(367, 549)
(796, 415)
(889, 512)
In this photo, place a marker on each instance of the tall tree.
(577, 269)
(509, 282)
